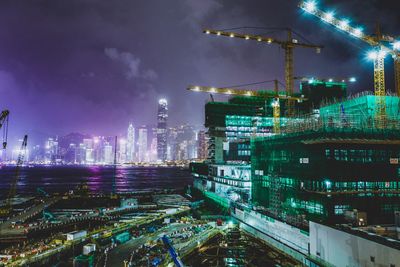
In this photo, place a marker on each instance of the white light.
(212, 89)
(232, 35)
(229, 92)
(358, 32)
(344, 24)
(207, 32)
(310, 6)
(329, 16)
(248, 93)
(330, 80)
(396, 45)
(218, 33)
(260, 39)
(269, 41)
(196, 88)
(162, 101)
(373, 55)
(247, 37)
(352, 79)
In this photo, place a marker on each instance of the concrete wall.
(282, 232)
(343, 249)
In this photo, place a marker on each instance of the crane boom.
(13, 187)
(378, 41)
(288, 45)
(261, 94)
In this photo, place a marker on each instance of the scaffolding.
(359, 113)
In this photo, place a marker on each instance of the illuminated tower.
(130, 144)
(162, 117)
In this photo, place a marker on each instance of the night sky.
(93, 66)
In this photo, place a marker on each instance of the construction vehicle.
(252, 93)
(13, 188)
(172, 252)
(4, 115)
(382, 46)
(288, 45)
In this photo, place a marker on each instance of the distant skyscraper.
(130, 144)
(142, 144)
(122, 151)
(201, 145)
(108, 154)
(162, 117)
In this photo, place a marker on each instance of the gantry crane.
(288, 45)
(4, 115)
(13, 187)
(380, 46)
(261, 94)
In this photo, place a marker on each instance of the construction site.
(291, 166)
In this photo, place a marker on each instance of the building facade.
(162, 118)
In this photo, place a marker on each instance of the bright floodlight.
(373, 55)
(396, 45)
(358, 32)
(329, 16)
(330, 80)
(344, 24)
(310, 6)
(352, 79)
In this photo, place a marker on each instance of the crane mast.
(380, 46)
(4, 115)
(288, 45)
(13, 188)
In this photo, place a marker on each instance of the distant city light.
(162, 101)
(310, 6)
(330, 80)
(247, 37)
(231, 35)
(207, 32)
(352, 79)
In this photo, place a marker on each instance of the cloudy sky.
(93, 66)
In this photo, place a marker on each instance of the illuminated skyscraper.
(130, 144)
(162, 117)
(142, 144)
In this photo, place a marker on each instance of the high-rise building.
(108, 154)
(122, 151)
(162, 117)
(51, 150)
(130, 144)
(142, 144)
(201, 145)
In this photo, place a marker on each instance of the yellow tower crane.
(288, 45)
(380, 46)
(252, 93)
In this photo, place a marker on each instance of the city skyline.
(109, 73)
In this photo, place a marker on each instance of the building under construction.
(335, 164)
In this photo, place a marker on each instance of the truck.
(89, 248)
(75, 235)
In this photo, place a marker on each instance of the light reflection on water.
(97, 178)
